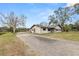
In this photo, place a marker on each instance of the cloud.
(45, 13)
(38, 15)
(70, 4)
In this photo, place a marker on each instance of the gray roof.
(42, 26)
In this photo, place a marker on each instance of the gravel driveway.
(50, 47)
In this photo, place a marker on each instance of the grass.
(64, 35)
(10, 45)
(1, 33)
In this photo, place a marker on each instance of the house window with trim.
(44, 29)
(57, 29)
(49, 29)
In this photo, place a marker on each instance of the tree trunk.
(14, 29)
(62, 28)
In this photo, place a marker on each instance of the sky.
(35, 12)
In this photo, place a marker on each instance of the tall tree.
(77, 25)
(44, 24)
(62, 15)
(76, 7)
(13, 21)
(52, 20)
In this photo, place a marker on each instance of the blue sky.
(35, 13)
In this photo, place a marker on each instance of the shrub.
(67, 28)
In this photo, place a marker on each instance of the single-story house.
(44, 29)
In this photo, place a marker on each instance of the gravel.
(48, 47)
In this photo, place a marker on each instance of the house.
(44, 29)
(57, 29)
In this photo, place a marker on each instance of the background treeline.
(5, 29)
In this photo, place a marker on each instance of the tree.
(12, 21)
(76, 8)
(67, 28)
(60, 17)
(77, 25)
(44, 24)
(72, 27)
(52, 20)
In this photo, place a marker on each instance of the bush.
(3, 29)
(21, 30)
(1, 33)
(67, 28)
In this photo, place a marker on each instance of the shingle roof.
(42, 26)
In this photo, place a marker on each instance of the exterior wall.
(44, 31)
(39, 30)
(35, 29)
(57, 29)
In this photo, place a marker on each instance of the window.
(44, 29)
(56, 29)
(49, 29)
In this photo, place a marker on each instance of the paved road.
(48, 47)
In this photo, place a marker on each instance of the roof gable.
(42, 26)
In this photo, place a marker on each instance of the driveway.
(50, 47)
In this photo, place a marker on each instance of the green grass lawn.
(64, 35)
(10, 45)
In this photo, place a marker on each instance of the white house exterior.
(57, 29)
(43, 29)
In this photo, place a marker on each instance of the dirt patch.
(12, 49)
